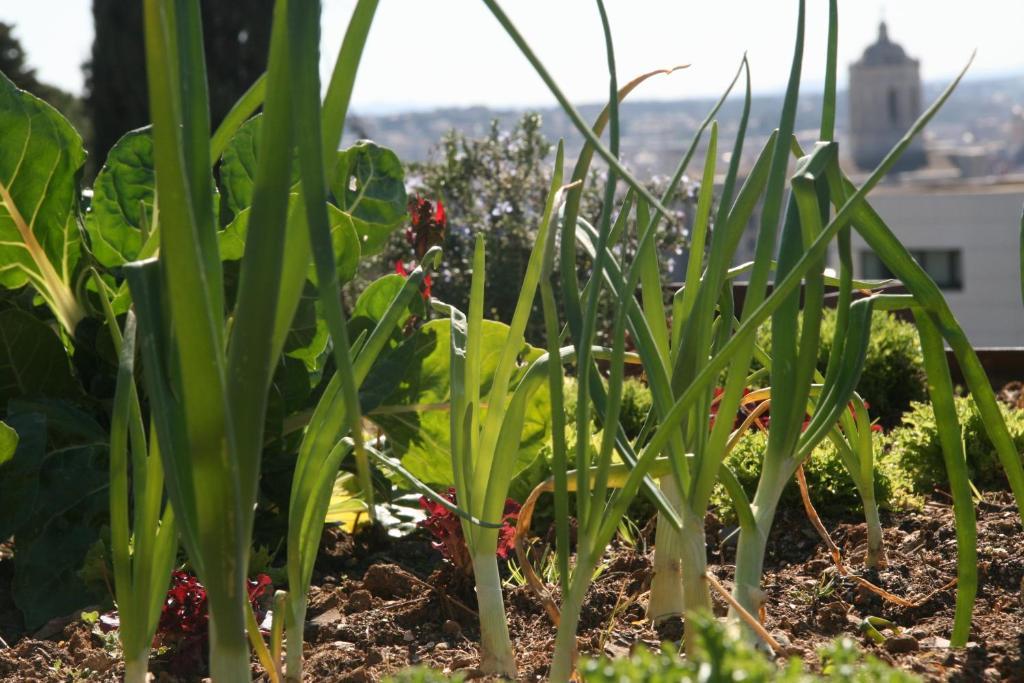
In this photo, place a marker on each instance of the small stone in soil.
(408, 636)
(900, 644)
(781, 638)
(359, 601)
(451, 628)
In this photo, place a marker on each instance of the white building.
(967, 237)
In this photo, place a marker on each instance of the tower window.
(894, 107)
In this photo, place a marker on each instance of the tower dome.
(885, 100)
(884, 51)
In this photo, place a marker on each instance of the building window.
(942, 265)
(894, 107)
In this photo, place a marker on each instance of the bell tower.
(885, 100)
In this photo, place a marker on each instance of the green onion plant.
(815, 206)
(208, 367)
(143, 537)
(485, 434)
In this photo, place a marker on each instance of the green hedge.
(832, 490)
(893, 375)
(915, 447)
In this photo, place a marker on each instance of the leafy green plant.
(683, 364)
(832, 489)
(636, 406)
(423, 674)
(212, 436)
(915, 444)
(721, 657)
(893, 376)
(484, 442)
(41, 158)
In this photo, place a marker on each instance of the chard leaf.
(343, 236)
(238, 166)
(52, 499)
(33, 361)
(124, 198)
(8, 442)
(370, 186)
(40, 242)
(408, 391)
(374, 301)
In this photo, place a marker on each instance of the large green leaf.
(238, 166)
(52, 500)
(123, 200)
(40, 158)
(370, 186)
(8, 442)
(19, 475)
(408, 392)
(33, 361)
(51, 548)
(308, 337)
(374, 301)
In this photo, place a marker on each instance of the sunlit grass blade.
(190, 265)
(303, 22)
(570, 110)
(240, 111)
(251, 356)
(940, 389)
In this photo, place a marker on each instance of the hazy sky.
(431, 53)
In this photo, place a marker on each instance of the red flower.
(428, 225)
(425, 291)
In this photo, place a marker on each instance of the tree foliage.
(236, 37)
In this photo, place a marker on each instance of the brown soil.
(382, 604)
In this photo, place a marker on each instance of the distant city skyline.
(452, 53)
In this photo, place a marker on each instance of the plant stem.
(564, 662)
(229, 652)
(876, 549)
(496, 655)
(667, 581)
(752, 541)
(136, 668)
(294, 628)
(695, 594)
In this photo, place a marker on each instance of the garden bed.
(380, 604)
